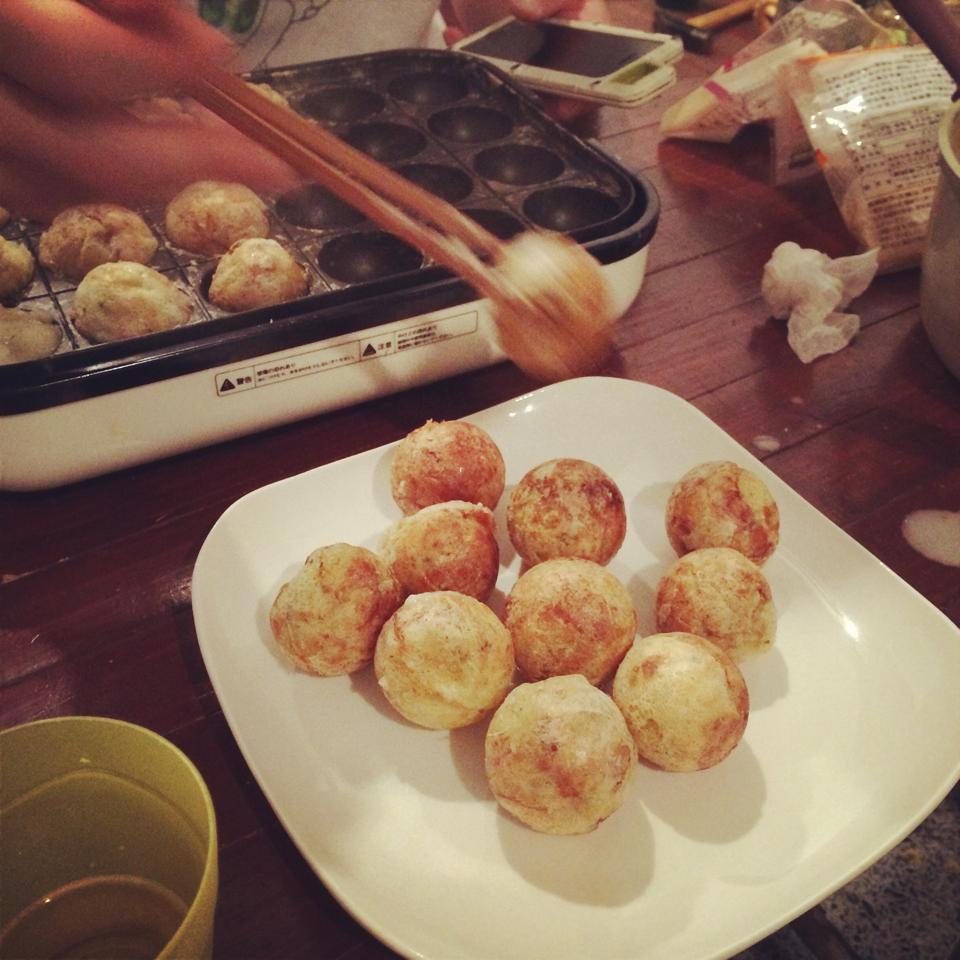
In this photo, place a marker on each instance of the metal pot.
(940, 285)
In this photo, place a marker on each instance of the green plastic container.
(108, 844)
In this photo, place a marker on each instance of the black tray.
(457, 126)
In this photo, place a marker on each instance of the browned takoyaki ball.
(327, 618)
(27, 334)
(566, 508)
(721, 504)
(16, 267)
(719, 594)
(116, 301)
(684, 700)
(446, 546)
(444, 660)
(558, 755)
(85, 236)
(257, 272)
(446, 460)
(569, 616)
(209, 216)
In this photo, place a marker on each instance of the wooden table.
(95, 613)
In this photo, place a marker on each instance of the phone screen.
(557, 47)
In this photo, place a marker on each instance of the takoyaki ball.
(685, 700)
(718, 593)
(116, 301)
(558, 755)
(446, 460)
(721, 504)
(444, 660)
(446, 546)
(16, 267)
(569, 616)
(209, 216)
(90, 234)
(327, 618)
(257, 272)
(27, 335)
(566, 508)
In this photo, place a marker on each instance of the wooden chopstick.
(420, 218)
(552, 310)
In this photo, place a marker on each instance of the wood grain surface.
(95, 614)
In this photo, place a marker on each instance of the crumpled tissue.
(810, 290)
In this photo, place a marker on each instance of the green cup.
(108, 844)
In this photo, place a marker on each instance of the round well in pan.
(362, 257)
(448, 183)
(500, 223)
(569, 208)
(518, 163)
(429, 89)
(387, 142)
(315, 208)
(341, 104)
(470, 124)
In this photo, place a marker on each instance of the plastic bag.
(746, 88)
(873, 119)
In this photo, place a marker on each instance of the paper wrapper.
(873, 118)
(746, 89)
(810, 291)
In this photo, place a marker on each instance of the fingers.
(452, 35)
(35, 193)
(131, 9)
(453, 29)
(53, 158)
(466, 16)
(540, 9)
(569, 9)
(72, 53)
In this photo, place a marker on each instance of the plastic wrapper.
(810, 291)
(746, 88)
(873, 118)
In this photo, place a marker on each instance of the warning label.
(321, 359)
(381, 346)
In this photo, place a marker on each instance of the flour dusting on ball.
(16, 267)
(444, 660)
(685, 701)
(720, 594)
(721, 504)
(257, 272)
(566, 508)
(90, 234)
(27, 334)
(446, 546)
(209, 216)
(558, 755)
(327, 618)
(569, 616)
(116, 301)
(446, 460)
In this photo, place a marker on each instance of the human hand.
(67, 71)
(464, 17)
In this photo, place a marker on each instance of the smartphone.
(580, 59)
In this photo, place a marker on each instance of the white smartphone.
(580, 59)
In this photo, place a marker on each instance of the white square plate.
(853, 737)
